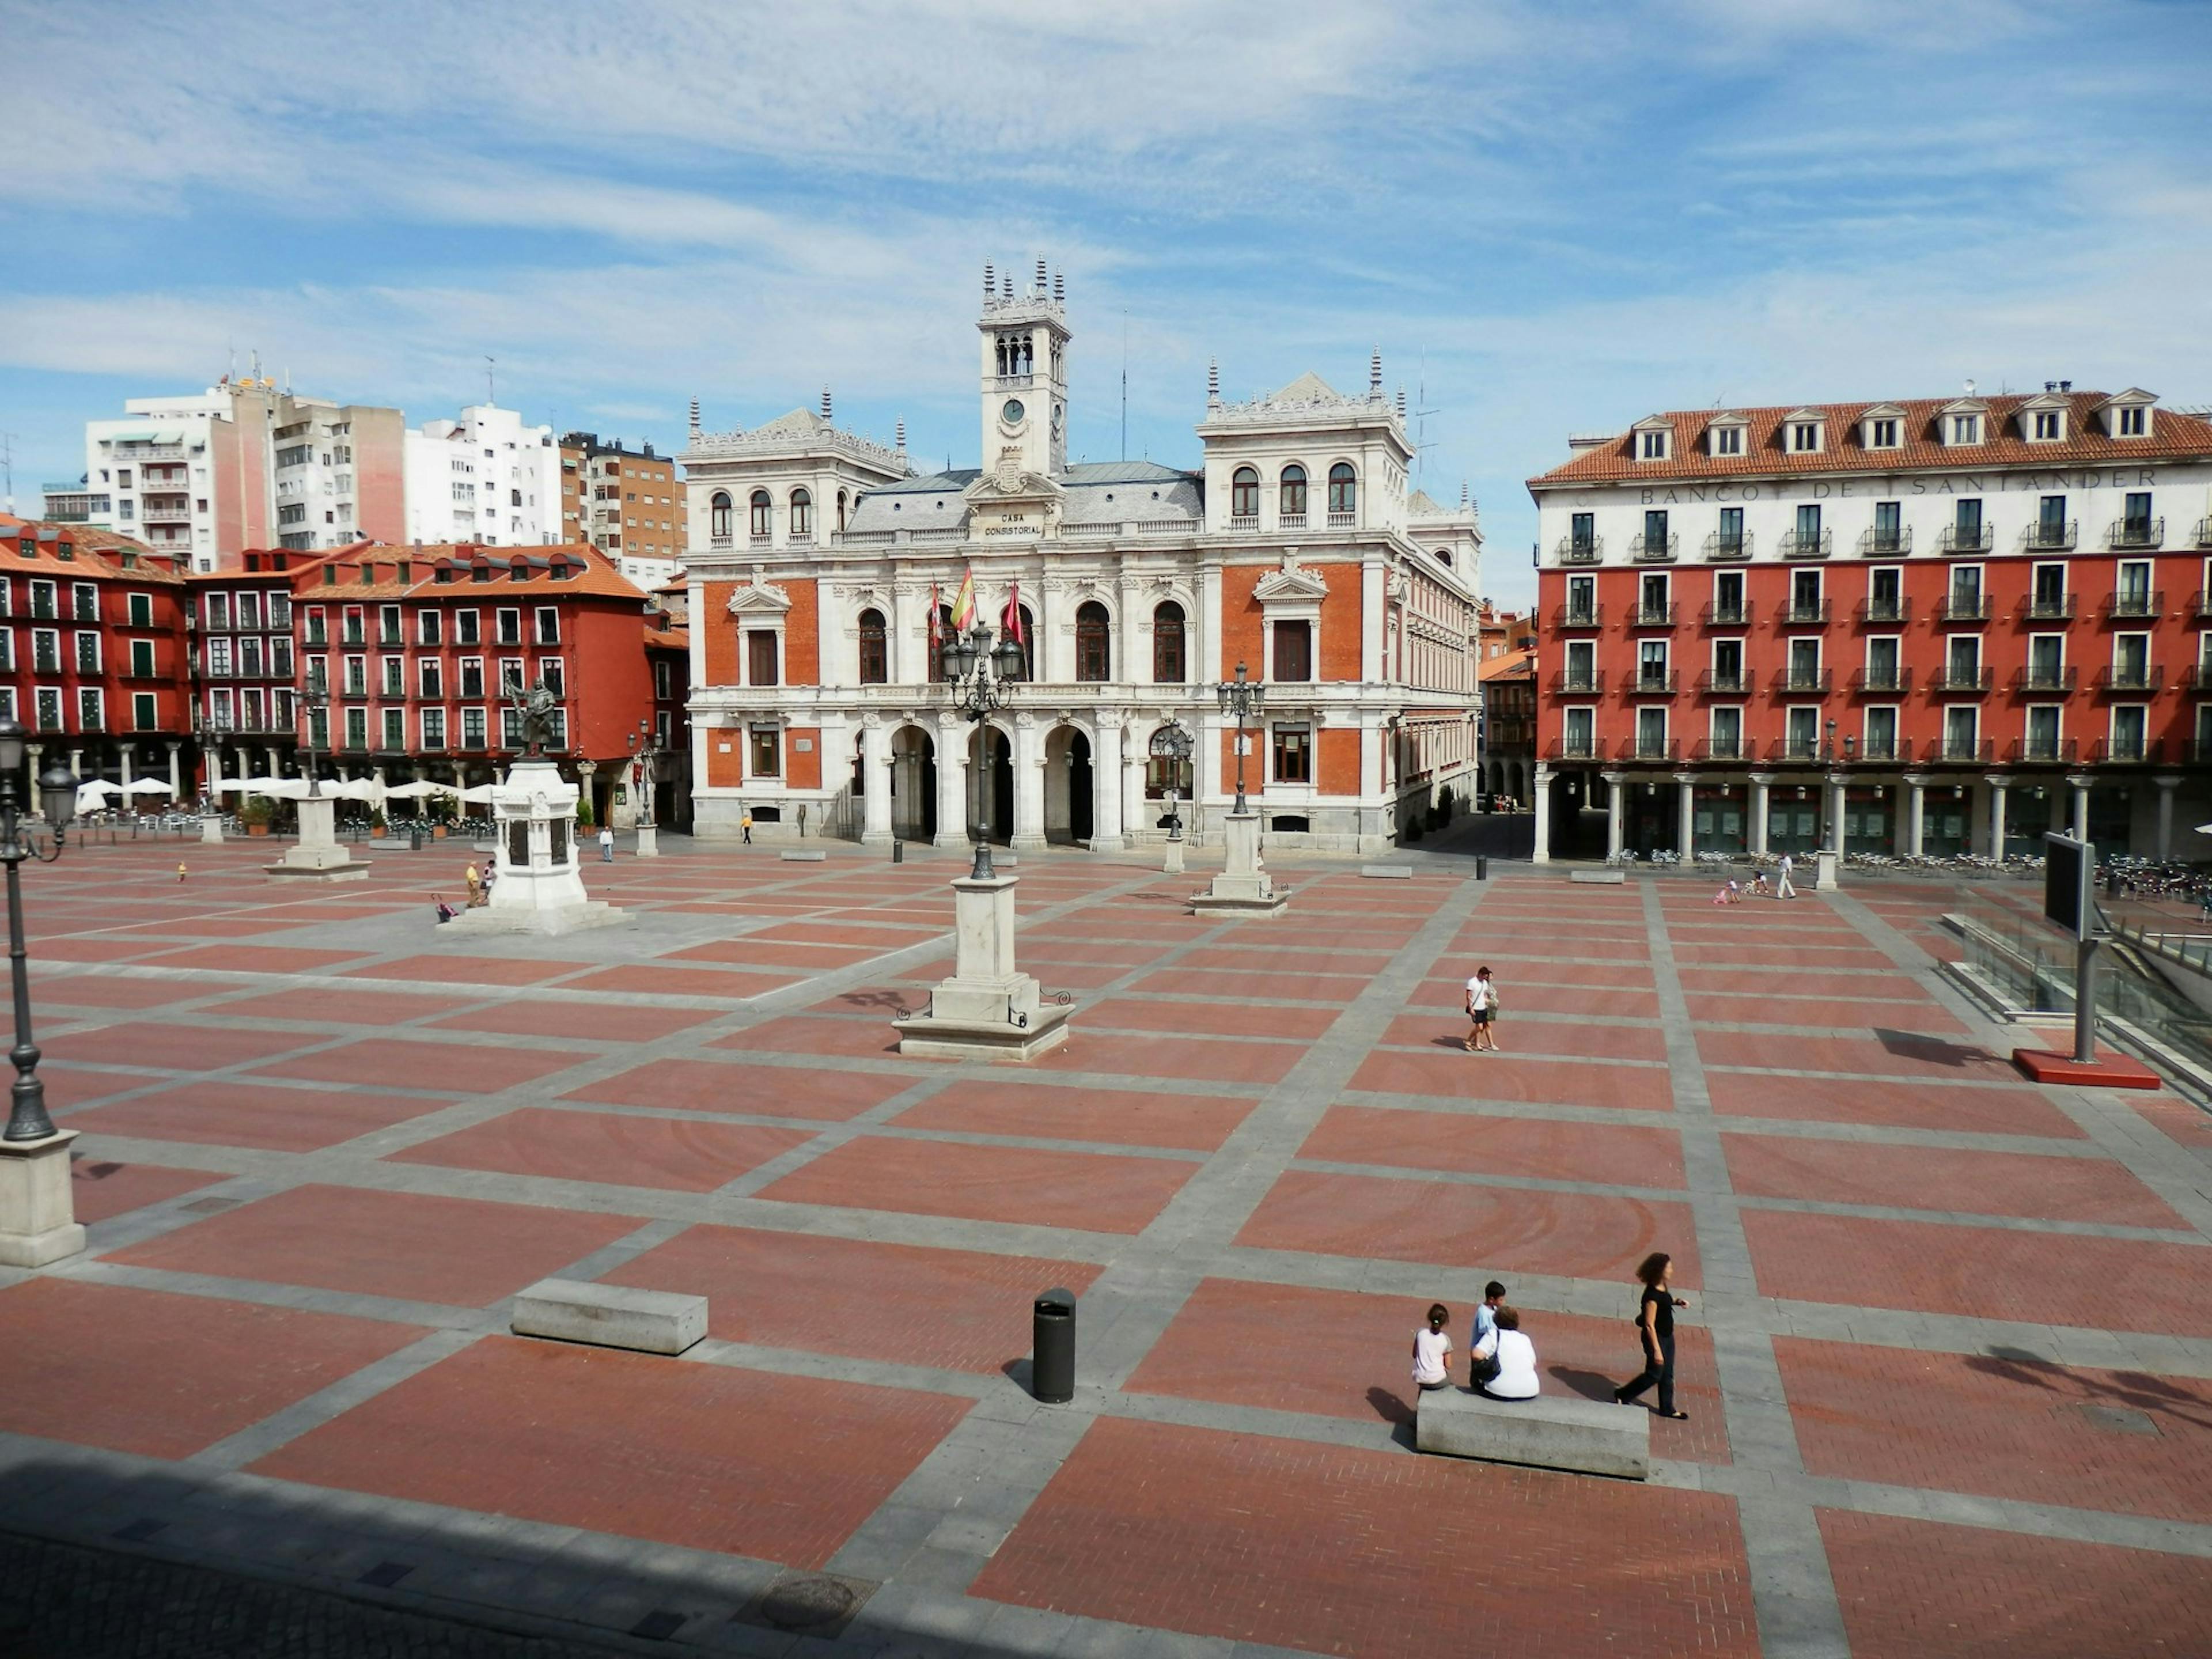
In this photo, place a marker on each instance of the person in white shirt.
(1517, 1359)
(1482, 1010)
(1432, 1350)
(1782, 887)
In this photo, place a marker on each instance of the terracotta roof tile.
(95, 554)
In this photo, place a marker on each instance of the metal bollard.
(1052, 1347)
(899, 851)
(1481, 866)
(417, 835)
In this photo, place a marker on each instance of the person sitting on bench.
(1516, 1360)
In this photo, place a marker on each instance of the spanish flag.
(964, 602)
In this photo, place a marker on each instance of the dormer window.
(1725, 437)
(1805, 437)
(2132, 423)
(1965, 429)
(1882, 434)
(2049, 425)
(2129, 415)
(1651, 440)
(1653, 447)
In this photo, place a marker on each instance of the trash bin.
(1481, 866)
(1052, 1348)
(416, 836)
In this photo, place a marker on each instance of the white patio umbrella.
(480, 793)
(416, 791)
(91, 797)
(147, 786)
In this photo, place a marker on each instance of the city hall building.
(1929, 626)
(1296, 549)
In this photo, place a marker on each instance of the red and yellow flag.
(1011, 618)
(964, 602)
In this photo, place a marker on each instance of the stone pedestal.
(1824, 871)
(649, 841)
(537, 886)
(317, 855)
(211, 831)
(1173, 864)
(1243, 887)
(988, 1010)
(38, 1211)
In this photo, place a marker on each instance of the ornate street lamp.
(27, 1116)
(1242, 699)
(316, 699)
(979, 680)
(1172, 743)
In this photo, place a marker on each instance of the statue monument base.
(988, 1010)
(1244, 888)
(536, 886)
(317, 855)
(38, 1209)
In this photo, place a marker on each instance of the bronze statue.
(536, 705)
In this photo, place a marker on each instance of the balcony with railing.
(1966, 538)
(1580, 549)
(1336, 520)
(2197, 677)
(1565, 748)
(2031, 682)
(1718, 614)
(1884, 612)
(1644, 748)
(2122, 677)
(1243, 521)
(1954, 682)
(1963, 607)
(1804, 682)
(1578, 682)
(1795, 749)
(1948, 751)
(1573, 616)
(1721, 682)
(2050, 536)
(1654, 550)
(1885, 544)
(1807, 543)
(1651, 683)
(1877, 751)
(2142, 534)
(1880, 682)
(2203, 533)
(1723, 748)
(2049, 607)
(1652, 616)
(1797, 613)
(2134, 607)
(1720, 547)
(2128, 752)
(2044, 751)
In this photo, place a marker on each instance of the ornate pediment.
(759, 598)
(1293, 583)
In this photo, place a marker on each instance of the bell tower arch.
(1024, 373)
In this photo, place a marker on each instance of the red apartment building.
(1926, 626)
(245, 665)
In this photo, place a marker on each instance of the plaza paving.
(1947, 1357)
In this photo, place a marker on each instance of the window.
(88, 652)
(142, 659)
(1727, 597)
(762, 513)
(2050, 425)
(1167, 644)
(548, 621)
(802, 512)
(1653, 444)
(1582, 600)
(356, 677)
(1880, 739)
(357, 728)
(2136, 524)
(49, 701)
(1805, 603)
(2043, 732)
(1965, 429)
(353, 624)
(1808, 528)
(1962, 660)
(1967, 526)
(465, 629)
(1727, 732)
(1582, 534)
(1293, 643)
(7, 650)
(1888, 526)
(387, 625)
(1805, 436)
(875, 655)
(554, 674)
(1578, 736)
(760, 657)
(46, 651)
(319, 628)
(430, 677)
(91, 712)
(2131, 594)
(395, 729)
(1292, 503)
(664, 671)
(280, 610)
(472, 726)
(1652, 605)
(2134, 422)
(395, 679)
(145, 712)
(434, 728)
(1728, 440)
(1094, 661)
(1292, 748)
(1651, 733)
(142, 610)
(2050, 523)
(1651, 665)
(1731, 531)
(84, 598)
(1882, 663)
(2046, 661)
(1803, 732)
(510, 623)
(718, 516)
(472, 677)
(2132, 661)
(1805, 665)
(1728, 665)
(1343, 489)
(42, 599)
(429, 626)
(1582, 665)
(1244, 494)
(1655, 541)
(1882, 434)
(764, 752)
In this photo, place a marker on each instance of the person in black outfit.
(1655, 1322)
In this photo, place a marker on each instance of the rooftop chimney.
(2066, 386)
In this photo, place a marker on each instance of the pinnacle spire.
(825, 403)
(1374, 373)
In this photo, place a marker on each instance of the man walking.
(745, 823)
(1782, 888)
(606, 844)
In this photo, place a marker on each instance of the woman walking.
(1482, 1009)
(1654, 1323)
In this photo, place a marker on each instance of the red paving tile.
(1215, 1062)
(1459, 1076)
(1715, 1009)
(1547, 999)
(262, 959)
(2038, 1433)
(1579, 1039)
(337, 1007)
(103, 991)
(589, 1022)
(163, 1375)
(1812, 958)
(621, 1149)
(1891, 987)
(1348, 1353)
(461, 1251)
(1207, 1018)
(1066, 1112)
(1628, 976)
(1350, 1551)
(246, 1115)
(453, 1067)
(102, 1188)
(1616, 1155)
(706, 1085)
(708, 1457)
(468, 971)
(1895, 1105)
(1904, 1054)
(2184, 1124)
(1984, 1273)
(1096, 1191)
(92, 949)
(1497, 1228)
(2088, 1188)
(74, 1085)
(960, 1309)
(732, 984)
(1914, 1588)
(1330, 990)
(176, 1047)
(801, 1034)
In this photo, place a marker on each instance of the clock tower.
(1024, 375)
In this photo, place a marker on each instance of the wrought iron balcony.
(1792, 613)
(2050, 536)
(1894, 682)
(2051, 607)
(2135, 607)
(1958, 751)
(1884, 610)
(1963, 608)
(2203, 537)
(1648, 749)
(1808, 544)
(1878, 752)
(1580, 550)
(2054, 751)
(1654, 550)
(1571, 683)
(1721, 548)
(1966, 538)
(1885, 544)
(1571, 749)
(1799, 683)
(2042, 682)
(1723, 748)
(1717, 615)
(2147, 677)
(1572, 616)
(1652, 616)
(1960, 682)
(2124, 751)
(1716, 683)
(2197, 677)
(2136, 533)
(1650, 684)
(1808, 749)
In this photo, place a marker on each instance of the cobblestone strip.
(1791, 1586)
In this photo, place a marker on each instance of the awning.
(159, 436)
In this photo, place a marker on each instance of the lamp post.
(1242, 698)
(1172, 743)
(316, 699)
(26, 1116)
(980, 680)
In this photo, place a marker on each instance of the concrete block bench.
(802, 857)
(1602, 878)
(609, 1316)
(1551, 1432)
(1387, 871)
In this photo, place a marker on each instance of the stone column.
(1134, 818)
(1685, 823)
(2167, 786)
(875, 772)
(1997, 782)
(1107, 835)
(1615, 803)
(2079, 783)
(1916, 814)
(124, 754)
(584, 770)
(77, 764)
(1542, 806)
(1029, 785)
(32, 752)
(951, 780)
(1755, 831)
(1835, 836)
(176, 777)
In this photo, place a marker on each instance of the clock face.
(1012, 413)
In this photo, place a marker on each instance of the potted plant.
(584, 819)
(254, 812)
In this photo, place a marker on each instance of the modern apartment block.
(626, 503)
(1913, 627)
(486, 478)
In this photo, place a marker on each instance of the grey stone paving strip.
(1791, 1585)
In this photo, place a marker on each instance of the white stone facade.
(487, 477)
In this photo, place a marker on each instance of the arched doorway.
(1067, 786)
(914, 785)
(999, 785)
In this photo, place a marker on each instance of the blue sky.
(1553, 218)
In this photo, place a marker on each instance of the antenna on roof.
(1125, 383)
(491, 383)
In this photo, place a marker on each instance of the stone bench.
(1551, 1432)
(1387, 871)
(609, 1316)
(802, 857)
(1603, 878)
